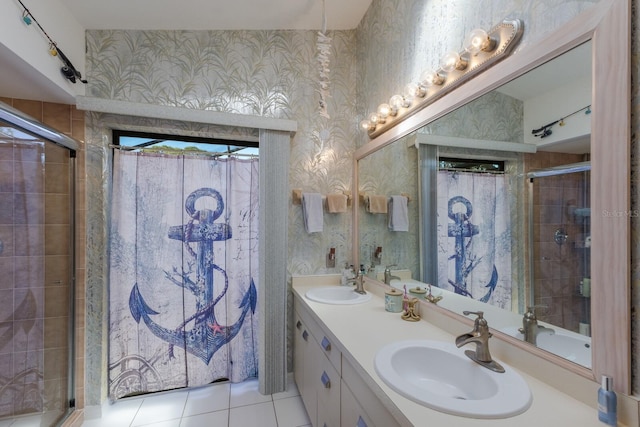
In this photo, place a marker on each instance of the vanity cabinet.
(328, 383)
(317, 365)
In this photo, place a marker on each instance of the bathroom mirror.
(606, 26)
(481, 154)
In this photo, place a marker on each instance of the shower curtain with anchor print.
(183, 272)
(474, 236)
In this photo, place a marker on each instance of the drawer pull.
(298, 324)
(326, 344)
(325, 380)
(361, 423)
(305, 335)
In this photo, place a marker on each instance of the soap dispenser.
(607, 402)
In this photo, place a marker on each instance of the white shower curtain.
(183, 272)
(474, 236)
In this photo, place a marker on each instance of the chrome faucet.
(530, 327)
(480, 337)
(387, 275)
(359, 282)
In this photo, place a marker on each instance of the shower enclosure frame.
(27, 124)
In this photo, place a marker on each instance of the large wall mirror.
(517, 186)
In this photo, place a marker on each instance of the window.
(136, 141)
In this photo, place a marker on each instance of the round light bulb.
(410, 92)
(452, 61)
(366, 125)
(396, 102)
(478, 40)
(413, 91)
(430, 78)
(384, 110)
(374, 118)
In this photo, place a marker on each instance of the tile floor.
(219, 405)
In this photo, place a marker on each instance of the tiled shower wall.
(56, 187)
(558, 269)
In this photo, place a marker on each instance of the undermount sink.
(571, 346)
(337, 295)
(440, 376)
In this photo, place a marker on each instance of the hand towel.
(398, 213)
(377, 204)
(312, 212)
(336, 203)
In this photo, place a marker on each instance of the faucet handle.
(388, 267)
(480, 314)
(531, 310)
(480, 321)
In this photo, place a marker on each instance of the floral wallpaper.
(399, 164)
(264, 73)
(274, 73)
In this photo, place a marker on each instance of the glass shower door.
(560, 218)
(36, 278)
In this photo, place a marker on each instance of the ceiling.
(20, 80)
(216, 14)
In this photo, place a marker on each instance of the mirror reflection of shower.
(559, 226)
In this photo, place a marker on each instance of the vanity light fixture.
(481, 49)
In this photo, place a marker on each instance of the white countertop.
(363, 329)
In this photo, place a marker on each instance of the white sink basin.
(337, 295)
(440, 376)
(571, 346)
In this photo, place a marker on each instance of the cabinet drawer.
(329, 349)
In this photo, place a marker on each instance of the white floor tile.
(290, 412)
(164, 407)
(213, 419)
(219, 405)
(246, 393)
(207, 399)
(291, 391)
(120, 413)
(28, 421)
(169, 423)
(261, 414)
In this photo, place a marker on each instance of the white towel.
(398, 213)
(312, 212)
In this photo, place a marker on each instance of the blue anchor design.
(460, 229)
(207, 336)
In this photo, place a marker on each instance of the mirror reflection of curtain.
(183, 272)
(474, 236)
